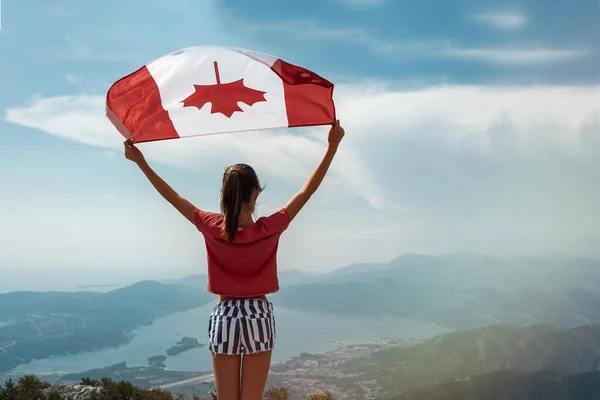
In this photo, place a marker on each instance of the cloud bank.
(444, 168)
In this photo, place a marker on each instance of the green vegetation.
(32, 388)
(513, 385)
(27, 388)
(274, 393)
(467, 353)
(124, 390)
(390, 369)
(38, 325)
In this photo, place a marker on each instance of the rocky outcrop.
(77, 392)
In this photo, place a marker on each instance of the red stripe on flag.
(308, 97)
(134, 106)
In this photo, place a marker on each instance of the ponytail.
(239, 182)
(231, 205)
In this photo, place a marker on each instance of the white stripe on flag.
(176, 74)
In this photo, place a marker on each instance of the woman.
(242, 268)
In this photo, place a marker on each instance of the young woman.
(242, 268)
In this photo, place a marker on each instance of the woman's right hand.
(336, 133)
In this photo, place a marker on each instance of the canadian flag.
(208, 89)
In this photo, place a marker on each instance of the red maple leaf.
(223, 96)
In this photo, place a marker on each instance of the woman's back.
(246, 267)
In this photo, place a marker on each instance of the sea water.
(297, 332)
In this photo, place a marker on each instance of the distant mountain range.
(286, 279)
(459, 271)
(457, 291)
(445, 307)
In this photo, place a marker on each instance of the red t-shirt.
(247, 267)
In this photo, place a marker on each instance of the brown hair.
(239, 183)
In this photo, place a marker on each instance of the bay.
(297, 332)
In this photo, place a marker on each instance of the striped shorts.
(242, 326)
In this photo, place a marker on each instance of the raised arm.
(293, 207)
(186, 208)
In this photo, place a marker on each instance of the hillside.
(388, 370)
(468, 353)
(37, 325)
(515, 385)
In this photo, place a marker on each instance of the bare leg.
(255, 371)
(227, 376)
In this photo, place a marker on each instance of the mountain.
(546, 385)
(458, 290)
(467, 353)
(444, 307)
(458, 271)
(390, 369)
(463, 271)
(357, 270)
(37, 325)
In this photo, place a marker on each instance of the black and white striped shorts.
(241, 326)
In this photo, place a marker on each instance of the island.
(157, 361)
(185, 344)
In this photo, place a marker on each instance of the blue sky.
(471, 126)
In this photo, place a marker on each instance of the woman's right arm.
(185, 207)
(293, 207)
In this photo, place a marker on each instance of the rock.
(77, 392)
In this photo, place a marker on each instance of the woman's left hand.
(132, 153)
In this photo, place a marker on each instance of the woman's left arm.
(186, 208)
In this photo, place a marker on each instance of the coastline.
(342, 333)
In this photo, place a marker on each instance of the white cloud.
(78, 118)
(528, 54)
(466, 105)
(280, 153)
(502, 20)
(473, 168)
